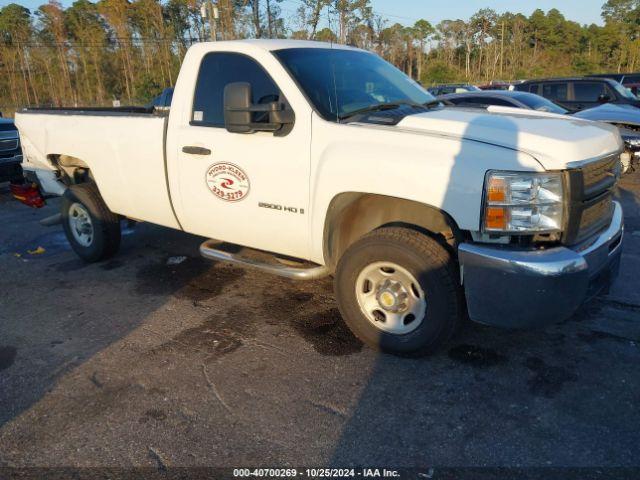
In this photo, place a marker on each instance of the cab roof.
(275, 44)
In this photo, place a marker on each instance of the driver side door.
(247, 189)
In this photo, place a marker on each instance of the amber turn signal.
(495, 218)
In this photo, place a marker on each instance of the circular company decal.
(227, 181)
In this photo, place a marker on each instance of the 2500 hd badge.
(274, 206)
(227, 181)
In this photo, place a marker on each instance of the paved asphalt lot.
(135, 362)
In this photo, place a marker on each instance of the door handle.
(196, 150)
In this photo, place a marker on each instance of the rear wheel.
(397, 290)
(91, 228)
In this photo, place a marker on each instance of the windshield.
(339, 82)
(625, 92)
(541, 104)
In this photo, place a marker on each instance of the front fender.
(444, 173)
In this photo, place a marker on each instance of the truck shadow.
(57, 312)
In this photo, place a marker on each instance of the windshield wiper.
(378, 107)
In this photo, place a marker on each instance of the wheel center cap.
(392, 297)
(387, 299)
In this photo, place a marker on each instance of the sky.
(581, 11)
(408, 11)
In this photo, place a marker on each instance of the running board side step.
(52, 220)
(316, 272)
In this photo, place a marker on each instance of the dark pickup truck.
(579, 93)
(10, 151)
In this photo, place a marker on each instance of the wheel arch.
(351, 215)
(73, 170)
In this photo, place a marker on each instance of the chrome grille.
(590, 207)
(8, 144)
(599, 176)
(595, 218)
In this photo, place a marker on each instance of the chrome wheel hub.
(80, 224)
(390, 297)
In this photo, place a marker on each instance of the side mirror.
(239, 112)
(604, 98)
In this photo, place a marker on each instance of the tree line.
(92, 53)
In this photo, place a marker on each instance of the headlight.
(522, 202)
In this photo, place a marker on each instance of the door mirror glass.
(242, 116)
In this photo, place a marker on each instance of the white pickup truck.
(333, 159)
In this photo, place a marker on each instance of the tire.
(423, 268)
(99, 240)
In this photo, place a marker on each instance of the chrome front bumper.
(528, 288)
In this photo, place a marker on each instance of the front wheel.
(397, 290)
(91, 228)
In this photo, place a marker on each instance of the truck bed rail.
(102, 111)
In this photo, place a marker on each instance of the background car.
(502, 98)
(628, 80)
(633, 87)
(579, 93)
(625, 117)
(10, 151)
(497, 85)
(451, 88)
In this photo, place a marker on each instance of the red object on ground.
(27, 193)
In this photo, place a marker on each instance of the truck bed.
(124, 147)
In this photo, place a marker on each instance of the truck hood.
(555, 141)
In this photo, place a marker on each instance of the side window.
(587, 91)
(534, 88)
(216, 71)
(554, 91)
(499, 102)
(631, 79)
